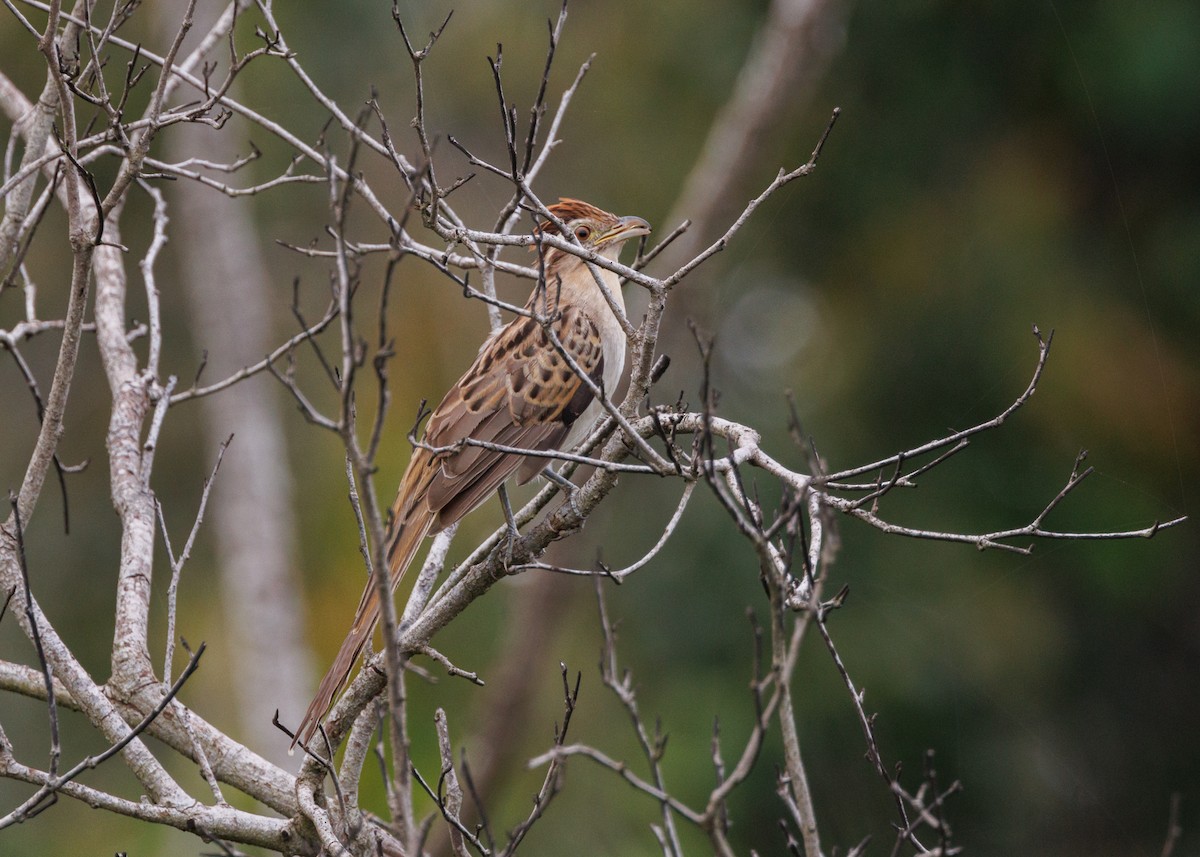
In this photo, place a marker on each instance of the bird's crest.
(567, 210)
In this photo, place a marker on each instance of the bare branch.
(451, 804)
(53, 784)
(619, 575)
(552, 783)
(958, 436)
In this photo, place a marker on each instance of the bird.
(519, 393)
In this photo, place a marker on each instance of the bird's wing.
(521, 392)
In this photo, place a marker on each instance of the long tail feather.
(407, 539)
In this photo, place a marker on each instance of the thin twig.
(35, 633)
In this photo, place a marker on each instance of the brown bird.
(520, 392)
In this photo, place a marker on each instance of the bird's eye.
(583, 233)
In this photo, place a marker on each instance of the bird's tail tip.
(333, 681)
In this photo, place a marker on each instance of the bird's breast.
(613, 347)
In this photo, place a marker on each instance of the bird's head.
(592, 227)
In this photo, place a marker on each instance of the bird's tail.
(406, 538)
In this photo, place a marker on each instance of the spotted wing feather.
(521, 393)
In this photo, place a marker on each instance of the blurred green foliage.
(997, 165)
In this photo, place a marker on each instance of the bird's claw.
(510, 542)
(511, 524)
(569, 488)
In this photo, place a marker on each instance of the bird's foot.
(569, 488)
(511, 522)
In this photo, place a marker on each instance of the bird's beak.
(626, 228)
